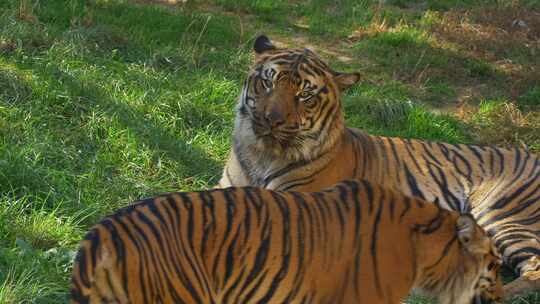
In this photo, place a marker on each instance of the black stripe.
(413, 185)
(374, 238)
(283, 171)
(286, 252)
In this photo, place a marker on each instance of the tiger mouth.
(273, 138)
(261, 133)
(265, 132)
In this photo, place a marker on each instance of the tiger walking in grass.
(290, 134)
(353, 243)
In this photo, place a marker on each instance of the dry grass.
(503, 124)
(506, 37)
(26, 11)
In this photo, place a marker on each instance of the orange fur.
(354, 243)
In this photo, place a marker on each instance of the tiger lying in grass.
(353, 243)
(290, 135)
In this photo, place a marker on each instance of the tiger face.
(478, 246)
(466, 271)
(488, 288)
(290, 101)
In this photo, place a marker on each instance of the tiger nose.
(274, 118)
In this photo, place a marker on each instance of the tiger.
(290, 134)
(353, 243)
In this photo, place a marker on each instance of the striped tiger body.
(290, 135)
(353, 243)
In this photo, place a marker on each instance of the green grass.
(531, 97)
(103, 102)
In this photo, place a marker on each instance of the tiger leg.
(520, 286)
(528, 281)
(520, 248)
(233, 174)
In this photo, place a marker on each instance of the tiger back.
(353, 243)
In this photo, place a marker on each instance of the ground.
(106, 101)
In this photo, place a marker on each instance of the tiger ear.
(346, 80)
(263, 44)
(470, 236)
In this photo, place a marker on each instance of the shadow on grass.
(151, 37)
(147, 131)
(435, 73)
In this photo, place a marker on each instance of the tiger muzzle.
(274, 119)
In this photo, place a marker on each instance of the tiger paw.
(531, 270)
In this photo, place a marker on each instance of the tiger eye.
(305, 95)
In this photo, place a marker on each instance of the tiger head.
(488, 288)
(468, 270)
(290, 102)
